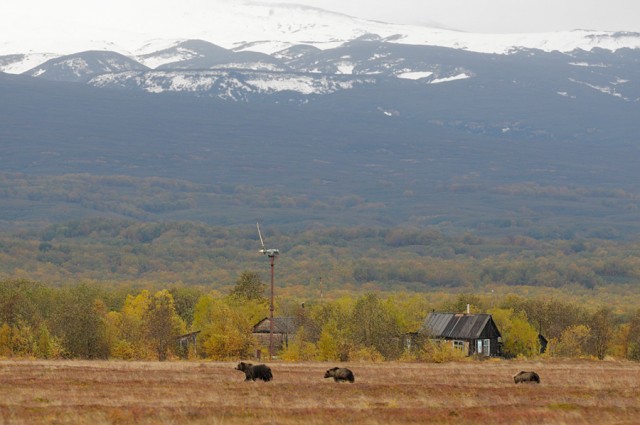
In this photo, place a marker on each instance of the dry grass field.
(110, 392)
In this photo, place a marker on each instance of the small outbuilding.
(283, 328)
(187, 342)
(475, 334)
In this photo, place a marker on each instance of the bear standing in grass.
(526, 377)
(252, 372)
(340, 374)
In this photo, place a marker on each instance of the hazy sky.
(494, 16)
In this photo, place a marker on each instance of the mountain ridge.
(261, 28)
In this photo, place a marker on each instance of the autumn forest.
(104, 288)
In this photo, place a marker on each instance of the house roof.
(456, 325)
(283, 325)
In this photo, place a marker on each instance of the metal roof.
(283, 325)
(455, 325)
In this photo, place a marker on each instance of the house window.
(479, 351)
(458, 345)
(486, 348)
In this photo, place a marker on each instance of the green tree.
(185, 299)
(45, 346)
(249, 286)
(373, 326)
(602, 329)
(633, 338)
(333, 319)
(24, 300)
(79, 320)
(462, 301)
(5, 340)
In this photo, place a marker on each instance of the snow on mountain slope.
(198, 54)
(226, 84)
(82, 66)
(140, 28)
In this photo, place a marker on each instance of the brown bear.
(252, 372)
(340, 374)
(526, 377)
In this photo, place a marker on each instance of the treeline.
(152, 198)
(90, 321)
(403, 258)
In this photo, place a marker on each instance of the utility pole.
(272, 254)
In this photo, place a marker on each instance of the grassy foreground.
(111, 392)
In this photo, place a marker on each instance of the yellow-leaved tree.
(573, 342)
(225, 330)
(300, 349)
(333, 319)
(162, 324)
(328, 343)
(519, 338)
(126, 329)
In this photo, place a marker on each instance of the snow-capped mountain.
(301, 73)
(243, 93)
(246, 51)
(154, 36)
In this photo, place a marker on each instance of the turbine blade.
(260, 234)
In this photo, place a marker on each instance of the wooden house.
(475, 334)
(283, 329)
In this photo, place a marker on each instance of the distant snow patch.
(602, 89)
(79, 66)
(414, 75)
(453, 78)
(377, 56)
(300, 84)
(590, 65)
(565, 94)
(254, 66)
(345, 68)
(389, 112)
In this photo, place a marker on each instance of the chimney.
(468, 308)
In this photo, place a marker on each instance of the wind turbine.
(272, 254)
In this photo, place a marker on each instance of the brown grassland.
(470, 392)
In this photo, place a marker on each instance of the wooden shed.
(475, 334)
(186, 343)
(283, 328)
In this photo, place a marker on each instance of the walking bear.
(526, 377)
(340, 374)
(252, 372)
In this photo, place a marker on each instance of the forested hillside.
(403, 258)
